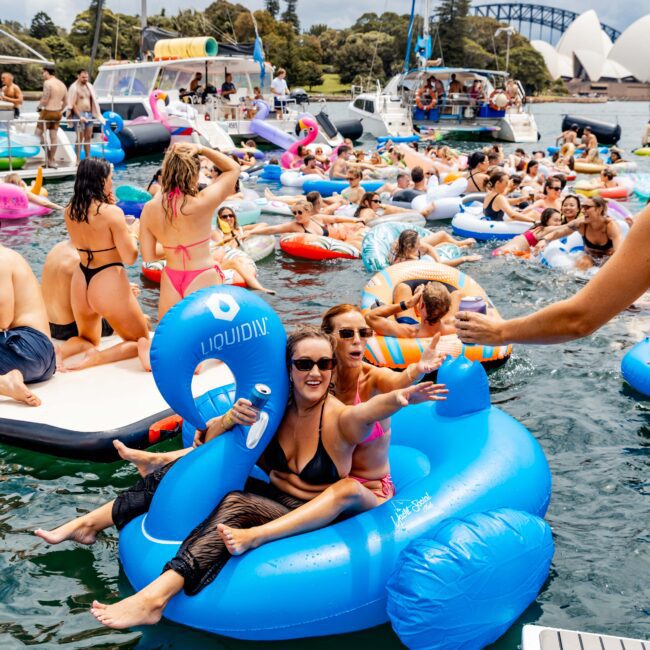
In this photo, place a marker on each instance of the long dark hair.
(406, 242)
(364, 203)
(88, 187)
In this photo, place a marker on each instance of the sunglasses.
(375, 201)
(297, 212)
(305, 365)
(349, 332)
(227, 216)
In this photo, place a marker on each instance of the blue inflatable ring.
(458, 457)
(635, 368)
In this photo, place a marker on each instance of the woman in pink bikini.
(180, 218)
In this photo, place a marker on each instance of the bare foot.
(268, 195)
(472, 258)
(134, 610)
(237, 540)
(467, 243)
(145, 461)
(13, 385)
(78, 530)
(87, 361)
(269, 291)
(144, 347)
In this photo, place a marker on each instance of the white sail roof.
(632, 49)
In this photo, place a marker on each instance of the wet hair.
(88, 187)
(302, 151)
(406, 242)
(436, 300)
(608, 173)
(365, 202)
(180, 171)
(600, 203)
(417, 174)
(303, 333)
(308, 158)
(221, 210)
(155, 178)
(313, 197)
(495, 177)
(531, 164)
(475, 159)
(562, 178)
(545, 217)
(327, 324)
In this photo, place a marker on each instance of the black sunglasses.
(227, 216)
(297, 212)
(348, 332)
(375, 201)
(305, 365)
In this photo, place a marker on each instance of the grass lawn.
(331, 85)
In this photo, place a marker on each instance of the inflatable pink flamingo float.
(158, 116)
(289, 159)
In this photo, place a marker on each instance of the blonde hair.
(14, 179)
(180, 171)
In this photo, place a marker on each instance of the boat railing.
(455, 106)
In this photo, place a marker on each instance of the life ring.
(153, 272)
(400, 352)
(420, 104)
(15, 205)
(491, 103)
(635, 368)
(491, 461)
(584, 167)
(317, 247)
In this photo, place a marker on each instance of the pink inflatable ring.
(15, 205)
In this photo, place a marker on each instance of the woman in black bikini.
(477, 165)
(314, 419)
(100, 287)
(495, 204)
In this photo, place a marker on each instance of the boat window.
(143, 80)
(359, 103)
(168, 79)
(105, 82)
(370, 106)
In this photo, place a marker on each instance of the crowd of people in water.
(329, 456)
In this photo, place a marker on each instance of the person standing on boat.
(26, 352)
(50, 108)
(228, 89)
(84, 107)
(280, 92)
(11, 92)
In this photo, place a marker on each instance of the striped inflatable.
(317, 247)
(400, 352)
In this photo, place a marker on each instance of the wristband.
(227, 421)
(402, 305)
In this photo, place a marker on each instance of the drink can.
(260, 394)
(473, 303)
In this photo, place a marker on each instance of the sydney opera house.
(590, 63)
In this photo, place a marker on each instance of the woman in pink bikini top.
(176, 224)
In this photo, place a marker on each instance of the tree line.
(374, 47)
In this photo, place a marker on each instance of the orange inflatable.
(317, 247)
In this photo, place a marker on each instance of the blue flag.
(258, 55)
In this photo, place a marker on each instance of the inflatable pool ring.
(583, 167)
(501, 558)
(420, 104)
(498, 100)
(112, 150)
(152, 271)
(450, 177)
(483, 460)
(624, 166)
(619, 193)
(317, 247)
(635, 367)
(567, 150)
(240, 152)
(19, 145)
(393, 352)
(247, 211)
(257, 247)
(7, 165)
(642, 151)
(454, 189)
(14, 204)
(411, 217)
(472, 223)
(377, 242)
(290, 159)
(274, 207)
(271, 172)
(585, 188)
(294, 178)
(618, 211)
(328, 187)
(131, 199)
(444, 208)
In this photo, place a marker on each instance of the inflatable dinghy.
(83, 412)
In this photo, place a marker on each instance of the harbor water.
(593, 428)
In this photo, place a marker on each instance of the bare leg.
(83, 529)
(147, 461)
(13, 385)
(248, 274)
(144, 608)
(51, 152)
(144, 348)
(442, 237)
(74, 345)
(94, 357)
(347, 495)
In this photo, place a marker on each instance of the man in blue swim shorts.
(26, 352)
(84, 109)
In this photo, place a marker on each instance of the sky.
(335, 13)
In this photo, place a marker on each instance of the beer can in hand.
(259, 396)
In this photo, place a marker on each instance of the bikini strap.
(172, 197)
(90, 253)
(320, 421)
(184, 250)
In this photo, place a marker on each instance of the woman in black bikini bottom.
(313, 415)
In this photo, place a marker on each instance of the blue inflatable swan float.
(451, 459)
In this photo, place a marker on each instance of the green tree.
(221, 17)
(273, 7)
(527, 65)
(290, 14)
(310, 74)
(14, 26)
(60, 47)
(42, 26)
(318, 29)
(451, 25)
(330, 42)
(28, 77)
(367, 55)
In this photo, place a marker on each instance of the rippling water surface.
(594, 429)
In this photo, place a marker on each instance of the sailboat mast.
(425, 35)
